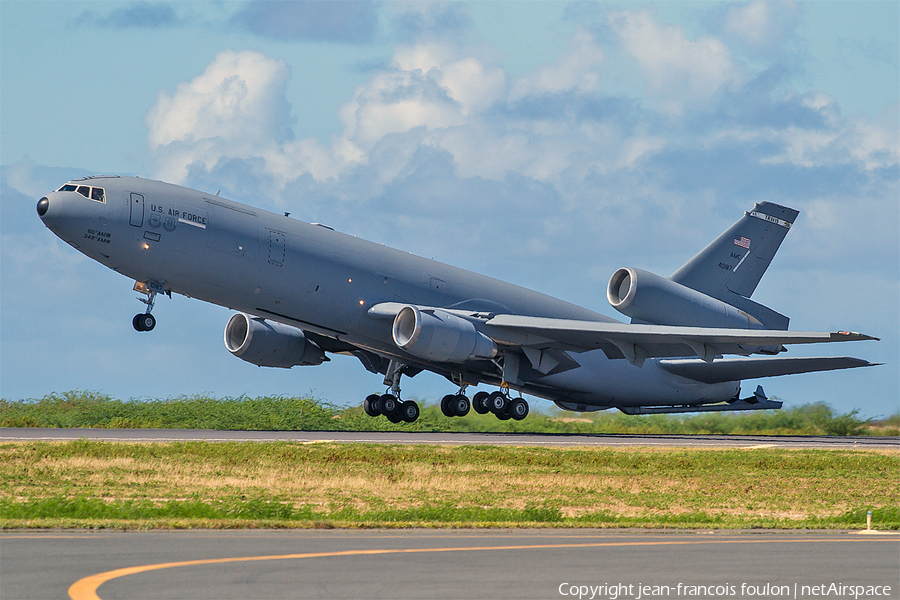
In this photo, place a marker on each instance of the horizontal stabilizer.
(737, 369)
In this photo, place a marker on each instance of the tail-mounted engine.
(268, 344)
(649, 298)
(440, 336)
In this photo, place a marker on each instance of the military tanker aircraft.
(303, 290)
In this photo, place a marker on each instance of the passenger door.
(137, 210)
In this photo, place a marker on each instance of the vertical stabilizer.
(731, 266)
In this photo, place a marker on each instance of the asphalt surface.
(445, 564)
(492, 439)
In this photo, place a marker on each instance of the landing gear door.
(137, 210)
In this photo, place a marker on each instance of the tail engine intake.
(649, 298)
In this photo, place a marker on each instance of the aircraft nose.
(43, 206)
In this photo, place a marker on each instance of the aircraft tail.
(731, 267)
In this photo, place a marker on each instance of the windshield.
(97, 194)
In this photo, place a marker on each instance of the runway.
(492, 439)
(444, 564)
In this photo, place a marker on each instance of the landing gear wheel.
(143, 322)
(394, 418)
(497, 402)
(409, 411)
(389, 406)
(479, 402)
(445, 405)
(518, 409)
(372, 406)
(460, 405)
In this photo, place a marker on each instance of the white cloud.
(679, 71)
(237, 107)
(870, 145)
(577, 70)
(762, 26)
(440, 125)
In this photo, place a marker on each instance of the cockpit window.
(98, 194)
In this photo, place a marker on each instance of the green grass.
(213, 485)
(91, 409)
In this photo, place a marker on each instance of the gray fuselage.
(322, 281)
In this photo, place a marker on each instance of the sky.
(542, 143)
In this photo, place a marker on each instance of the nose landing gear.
(145, 321)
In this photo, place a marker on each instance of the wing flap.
(737, 369)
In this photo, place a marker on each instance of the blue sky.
(544, 143)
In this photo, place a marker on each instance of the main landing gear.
(396, 410)
(391, 407)
(499, 403)
(389, 404)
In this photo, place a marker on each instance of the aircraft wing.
(637, 342)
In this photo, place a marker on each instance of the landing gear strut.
(145, 321)
(389, 404)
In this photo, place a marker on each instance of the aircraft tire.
(497, 402)
(389, 405)
(372, 406)
(518, 409)
(504, 415)
(409, 411)
(144, 322)
(479, 403)
(394, 418)
(460, 405)
(445, 405)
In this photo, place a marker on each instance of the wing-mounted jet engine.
(438, 335)
(269, 344)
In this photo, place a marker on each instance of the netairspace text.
(631, 591)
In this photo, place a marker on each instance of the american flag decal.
(743, 242)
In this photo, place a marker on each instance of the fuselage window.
(97, 194)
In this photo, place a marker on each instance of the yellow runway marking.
(86, 588)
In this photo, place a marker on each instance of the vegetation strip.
(283, 484)
(268, 413)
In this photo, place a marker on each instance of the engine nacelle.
(269, 344)
(650, 298)
(440, 336)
